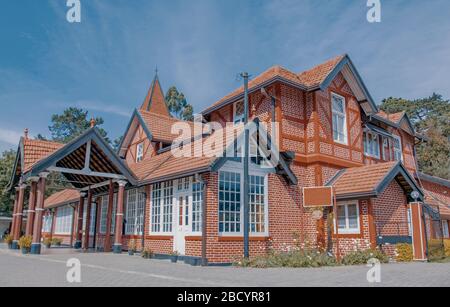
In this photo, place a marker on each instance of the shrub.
(293, 259)
(47, 242)
(132, 245)
(404, 252)
(8, 239)
(362, 257)
(447, 247)
(56, 241)
(25, 242)
(147, 253)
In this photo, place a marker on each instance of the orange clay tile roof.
(160, 126)
(315, 76)
(165, 164)
(155, 101)
(364, 179)
(310, 78)
(62, 198)
(395, 117)
(36, 150)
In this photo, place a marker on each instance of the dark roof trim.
(378, 130)
(62, 204)
(437, 180)
(394, 124)
(91, 134)
(335, 177)
(218, 163)
(143, 124)
(394, 172)
(19, 157)
(174, 176)
(346, 60)
(251, 91)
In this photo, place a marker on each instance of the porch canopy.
(372, 180)
(87, 162)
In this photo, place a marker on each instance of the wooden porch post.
(117, 249)
(107, 245)
(31, 206)
(88, 221)
(37, 227)
(79, 233)
(14, 219)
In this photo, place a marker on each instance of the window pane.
(229, 209)
(352, 216)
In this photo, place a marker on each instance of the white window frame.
(344, 114)
(139, 152)
(369, 138)
(348, 230)
(230, 167)
(135, 211)
(240, 118)
(445, 230)
(47, 221)
(164, 187)
(197, 208)
(396, 151)
(104, 214)
(63, 224)
(409, 221)
(384, 147)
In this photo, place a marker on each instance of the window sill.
(159, 237)
(225, 238)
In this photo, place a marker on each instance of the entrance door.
(182, 223)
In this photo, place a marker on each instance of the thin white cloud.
(10, 136)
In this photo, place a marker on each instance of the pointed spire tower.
(154, 101)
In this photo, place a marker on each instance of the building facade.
(329, 133)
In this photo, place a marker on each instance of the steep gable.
(154, 101)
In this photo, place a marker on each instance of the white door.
(182, 222)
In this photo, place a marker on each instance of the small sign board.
(318, 197)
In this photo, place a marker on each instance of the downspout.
(204, 225)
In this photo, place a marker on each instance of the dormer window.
(339, 119)
(238, 112)
(140, 152)
(398, 154)
(371, 145)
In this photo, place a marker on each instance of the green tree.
(71, 124)
(430, 117)
(7, 159)
(178, 105)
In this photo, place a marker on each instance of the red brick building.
(330, 133)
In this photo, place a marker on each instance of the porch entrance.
(183, 210)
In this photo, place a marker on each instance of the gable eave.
(337, 69)
(125, 141)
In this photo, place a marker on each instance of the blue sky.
(106, 63)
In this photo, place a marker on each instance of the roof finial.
(92, 122)
(25, 133)
(156, 71)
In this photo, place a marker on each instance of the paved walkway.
(123, 270)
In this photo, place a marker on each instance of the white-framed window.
(445, 230)
(385, 141)
(409, 219)
(139, 152)
(162, 207)
(63, 223)
(371, 144)
(257, 204)
(104, 214)
(230, 208)
(238, 112)
(348, 218)
(398, 153)
(183, 184)
(135, 211)
(47, 223)
(197, 202)
(339, 118)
